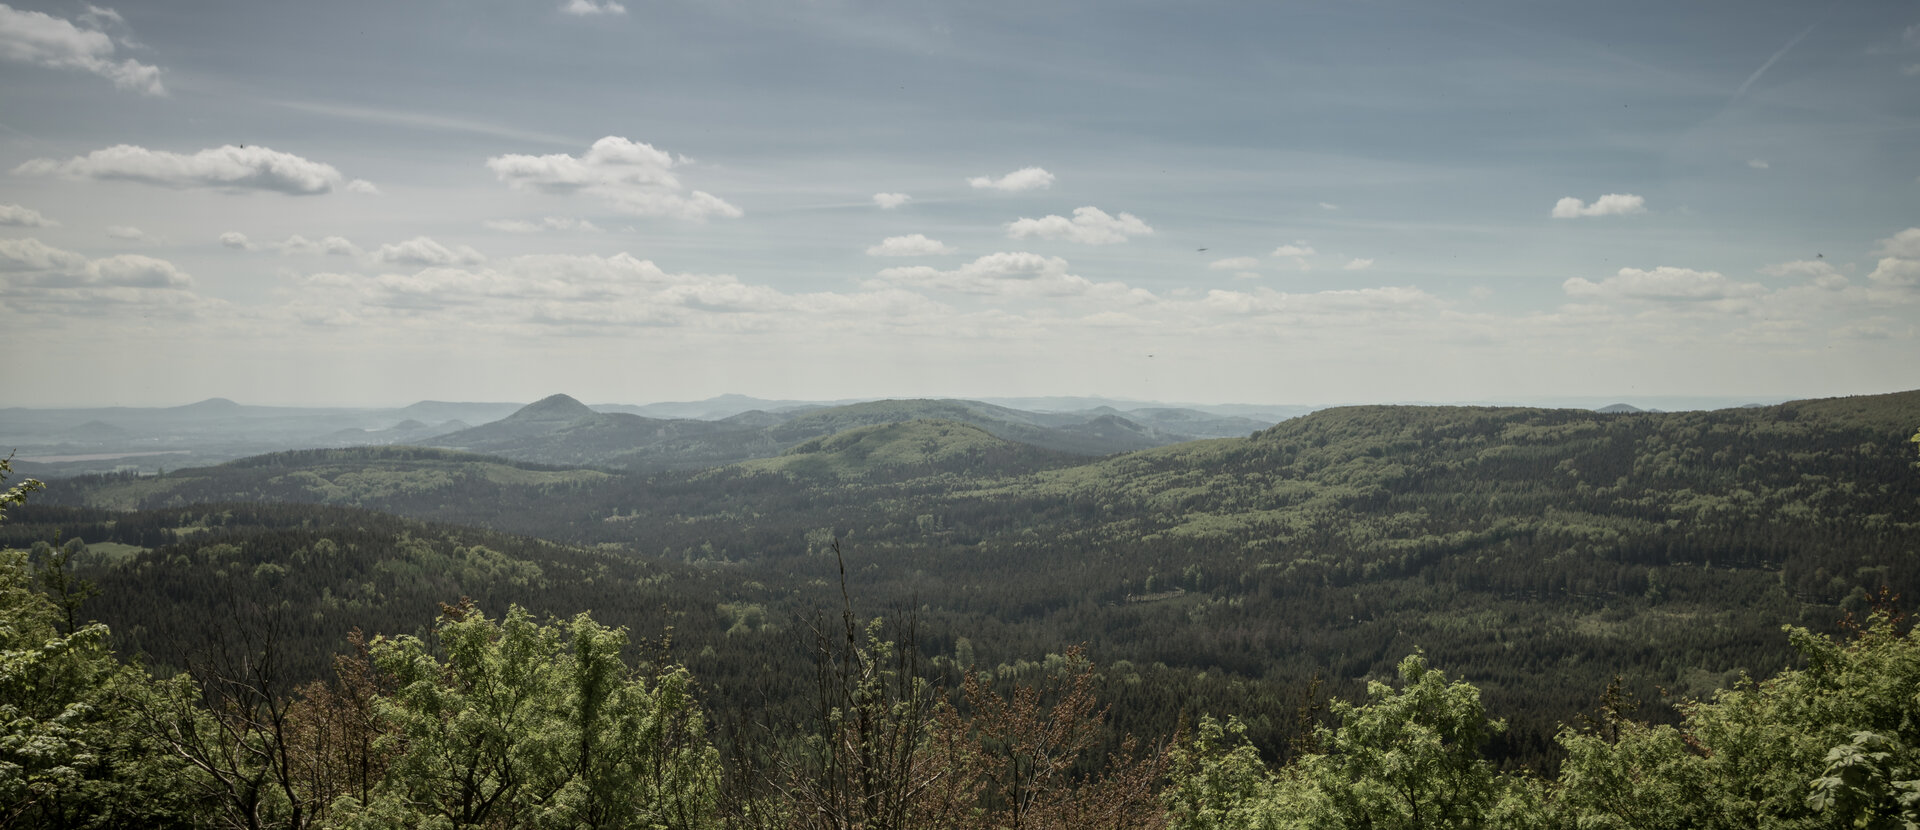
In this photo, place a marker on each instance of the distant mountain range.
(723, 429)
(562, 430)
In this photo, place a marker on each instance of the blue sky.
(370, 203)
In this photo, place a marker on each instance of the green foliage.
(17, 494)
(1407, 758)
(1869, 782)
(65, 759)
(525, 725)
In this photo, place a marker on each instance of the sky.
(373, 203)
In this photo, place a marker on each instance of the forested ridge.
(1559, 561)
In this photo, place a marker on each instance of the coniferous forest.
(1365, 617)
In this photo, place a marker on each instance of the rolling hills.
(1537, 552)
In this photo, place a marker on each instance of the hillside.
(906, 449)
(561, 430)
(1536, 552)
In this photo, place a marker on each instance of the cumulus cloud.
(16, 216)
(1612, 204)
(1026, 178)
(1329, 206)
(1817, 271)
(230, 168)
(331, 246)
(44, 40)
(633, 177)
(889, 201)
(297, 244)
(38, 278)
(548, 224)
(236, 240)
(1238, 263)
(910, 245)
(1357, 264)
(18, 255)
(1089, 226)
(422, 250)
(1017, 274)
(128, 233)
(1895, 272)
(591, 8)
(1905, 244)
(1297, 249)
(1758, 164)
(1663, 284)
(135, 271)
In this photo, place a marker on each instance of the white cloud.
(1894, 272)
(1357, 264)
(227, 168)
(362, 186)
(1238, 263)
(1329, 206)
(44, 40)
(1873, 328)
(1905, 244)
(422, 250)
(1017, 274)
(236, 240)
(1758, 164)
(128, 233)
(910, 245)
(33, 255)
(1359, 308)
(297, 244)
(550, 223)
(38, 278)
(1026, 178)
(889, 201)
(135, 271)
(1089, 226)
(587, 8)
(1612, 204)
(1663, 284)
(1297, 249)
(589, 294)
(16, 216)
(632, 176)
(1816, 271)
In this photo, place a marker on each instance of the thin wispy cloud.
(230, 168)
(1771, 60)
(424, 121)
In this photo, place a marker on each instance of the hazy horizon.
(1672, 402)
(365, 201)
